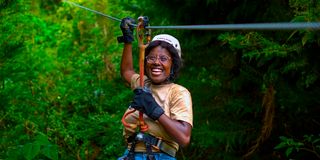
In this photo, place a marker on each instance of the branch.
(312, 151)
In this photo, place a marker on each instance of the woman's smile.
(156, 71)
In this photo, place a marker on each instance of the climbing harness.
(151, 141)
(248, 26)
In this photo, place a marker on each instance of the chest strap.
(153, 141)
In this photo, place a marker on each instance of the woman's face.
(158, 65)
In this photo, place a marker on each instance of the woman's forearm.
(179, 130)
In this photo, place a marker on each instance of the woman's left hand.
(144, 102)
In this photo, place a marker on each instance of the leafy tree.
(58, 77)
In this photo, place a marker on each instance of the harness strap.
(151, 141)
(130, 155)
(149, 152)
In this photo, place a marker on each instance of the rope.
(140, 35)
(252, 26)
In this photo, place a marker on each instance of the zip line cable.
(94, 11)
(249, 26)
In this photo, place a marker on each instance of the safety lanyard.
(142, 32)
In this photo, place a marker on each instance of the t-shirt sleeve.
(181, 105)
(135, 81)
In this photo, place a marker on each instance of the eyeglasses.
(163, 59)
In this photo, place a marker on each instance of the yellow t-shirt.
(176, 102)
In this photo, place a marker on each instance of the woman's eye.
(163, 59)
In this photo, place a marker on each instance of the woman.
(167, 106)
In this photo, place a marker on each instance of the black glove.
(144, 102)
(126, 26)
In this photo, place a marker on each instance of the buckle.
(159, 142)
(139, 136)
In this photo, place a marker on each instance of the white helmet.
(169, 39)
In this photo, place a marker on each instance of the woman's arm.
(179, 130)
(127, 63)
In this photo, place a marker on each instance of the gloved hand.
(126, 27)
(144, 102)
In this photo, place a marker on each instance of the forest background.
(256, 94)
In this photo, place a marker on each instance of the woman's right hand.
(126, 26)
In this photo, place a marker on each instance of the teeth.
(156, 70)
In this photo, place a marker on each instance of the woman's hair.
(176, 59)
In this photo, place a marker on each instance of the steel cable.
(94, 11)
(248, 26)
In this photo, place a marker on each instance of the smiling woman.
(167, 106)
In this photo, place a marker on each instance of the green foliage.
(38, 148)
(290, 143)
(285, 65)
(58, 84)
(310, 143)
